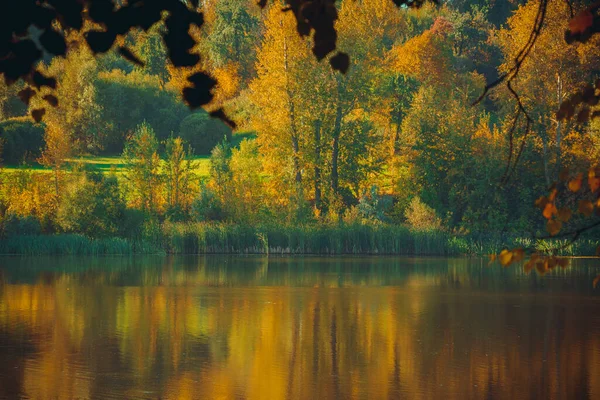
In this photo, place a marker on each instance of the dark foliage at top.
(20, 51)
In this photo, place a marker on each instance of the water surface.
(295, 328)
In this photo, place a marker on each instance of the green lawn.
(105, 164)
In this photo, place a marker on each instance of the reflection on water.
(297, 328)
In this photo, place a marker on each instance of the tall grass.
(357, 239)
(73, 244)
(316, 239)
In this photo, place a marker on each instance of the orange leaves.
(587, 201)
(553, 226)
(581, 22)
(507, 257)
(575, 184)
(564, 214)
(586, 207)
(593, 180)
(549, 210)
(542, 264)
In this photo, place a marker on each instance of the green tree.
(143, 175)
(179, 175)
(202, 132)
(92, 205)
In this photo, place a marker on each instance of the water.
(296, 328)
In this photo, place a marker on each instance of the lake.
(296, 328)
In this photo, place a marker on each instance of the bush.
(129, 99)
(203, 132)
(22, 140)
(421, 217)
(14, 225)
(207, 206)
(373, 206)
(92, 206)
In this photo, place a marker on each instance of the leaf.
(595, 281)
(40, 80)
(340, 62)
(575, 184)
(220, 114)
(528, 266)
(581, 22)
(564, 214)
(564, 174)
(492, 258)
(593, 180)
(505, 257)
(128, 55)
(541, 267)
(566, 110)
(553, 226)
(26, 94)
(586, 207)
(518, 255)
(51, 99)
(201, 92)
(53, 42)
(563, 262)
(37, 114)
(541, 202)
(584, 115)
(549, 210)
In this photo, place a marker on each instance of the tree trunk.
(317, 164)
(558, 126)
(56, 188)
(337, 130)
(545, 155)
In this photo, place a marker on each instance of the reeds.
(72, 244)
(354, 239)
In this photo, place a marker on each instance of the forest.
(392, 157)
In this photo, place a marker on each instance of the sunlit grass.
(105, 165)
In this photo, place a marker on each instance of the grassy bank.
(203, 238)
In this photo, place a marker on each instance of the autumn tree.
(143, 169)
(179, 174)
(552, 71)
(78, 117)
(276, 95)
(58, 148)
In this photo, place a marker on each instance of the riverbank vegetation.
(390, 158)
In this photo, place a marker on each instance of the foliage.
(22, 140)
(92, 206)
(202, 132)
(142, 164)
(421, 217)
(128, 99)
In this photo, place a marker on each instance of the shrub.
(22, 140)
(14, 225)
(92, 206)
(129, 99)
(422, 217)
(202, 132)
(373, 206)
(207, 207)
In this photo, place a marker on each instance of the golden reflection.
(179, 339)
